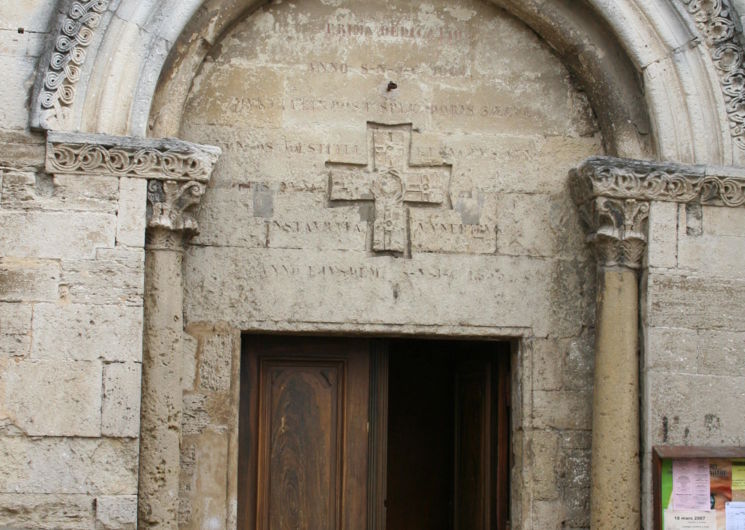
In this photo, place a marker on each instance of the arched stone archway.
(686, 89)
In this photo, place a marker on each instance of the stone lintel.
(613, 196)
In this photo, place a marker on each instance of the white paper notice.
(687, 520)
(735, 512)
(691, 488)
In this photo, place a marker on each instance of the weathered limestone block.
(130, 221)
(447, 231)
(189, 362)
(572, 295)
(337, 229)
(14, 90)
(15, 328)
(672, 349)
(25, 280)
(227, 218)
(676, 419)
(116, 512)
(52, 398)
(76, 235)
(35, 190)
(207, 494)
(534, 238)
(547, 364)
(663, 234)
(720, 255)
(275, 285)
(719, 221)
(563, 363)
(92, 466)
(45, 512)
(695, 302)
(22, 151)
(120, 406)
(87, 332)
(32, 15)
(549, 514)
(115, 277)
(562, 409)
(544, 448)
(215, 362)
(579, 361)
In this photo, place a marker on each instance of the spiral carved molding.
(90, 154)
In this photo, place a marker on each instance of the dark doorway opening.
(374, 434)
(443, 443)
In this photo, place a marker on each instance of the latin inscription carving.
(392, 183)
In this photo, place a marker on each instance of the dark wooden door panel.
(305, 444)
(300, 443)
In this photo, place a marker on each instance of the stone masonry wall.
(71, 280)
(693, 374)
(298, 97)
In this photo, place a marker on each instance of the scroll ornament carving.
(649, 181)
(94, 158)
(715, 20)
(64, 69)
(174, 205)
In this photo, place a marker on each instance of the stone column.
(171, 222)
(619, 238)
(617, 230)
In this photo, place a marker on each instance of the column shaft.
(161, 382)
(615, 419)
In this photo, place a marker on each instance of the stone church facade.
(180, 179)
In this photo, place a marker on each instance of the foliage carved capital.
(613, 197)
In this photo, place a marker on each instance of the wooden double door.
(357, 434)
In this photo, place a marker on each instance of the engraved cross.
(391, 182)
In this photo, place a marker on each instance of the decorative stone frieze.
(76, 32)
(613, 196)
(95, 154)
(654, 181)
(715, 20)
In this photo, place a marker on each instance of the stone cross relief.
(392, 183)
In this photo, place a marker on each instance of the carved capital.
(124, 156)
(618, 230)
(173, 205)
(613, 195)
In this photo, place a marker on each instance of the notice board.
(699, 488)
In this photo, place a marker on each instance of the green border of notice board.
(662, 470)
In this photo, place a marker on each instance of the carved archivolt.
(129, 157)
(613, 197)
(63, 71)
(715, 20)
